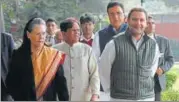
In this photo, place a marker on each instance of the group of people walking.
(123, 61)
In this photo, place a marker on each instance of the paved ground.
(104, 96)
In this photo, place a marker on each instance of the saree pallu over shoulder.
(45, 68)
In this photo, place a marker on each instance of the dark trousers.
(157, 96)
(101, 88)
(157, 90)
(4, 94)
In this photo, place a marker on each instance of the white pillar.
(2, 28)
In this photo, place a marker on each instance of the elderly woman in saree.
(36, 72)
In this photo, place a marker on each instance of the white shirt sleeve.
(96, 46)
(94, 75)
(155, 61)
(105, 65)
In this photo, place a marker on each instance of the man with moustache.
(129, 61)
(80, 65)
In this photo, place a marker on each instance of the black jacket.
(21, 85)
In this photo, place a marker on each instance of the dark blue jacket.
(106, 34)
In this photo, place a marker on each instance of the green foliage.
(171, 78)
(21, 11)
(170, 95)
(104, 22)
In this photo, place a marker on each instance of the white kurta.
(81, 71)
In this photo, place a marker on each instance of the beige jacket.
(80, 70)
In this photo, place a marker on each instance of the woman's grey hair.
(35, 21)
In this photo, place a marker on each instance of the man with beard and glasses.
(129, 61)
